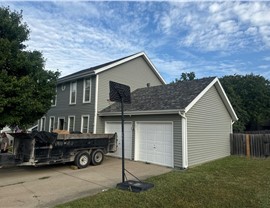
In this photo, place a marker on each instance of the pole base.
(134, 186)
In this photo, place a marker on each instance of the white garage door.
(154, 143)
(112, 127)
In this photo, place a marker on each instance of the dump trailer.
(44, 148)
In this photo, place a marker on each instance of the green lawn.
(229, 182)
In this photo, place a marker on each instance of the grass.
(229, 182)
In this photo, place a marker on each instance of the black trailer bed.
(41, 148)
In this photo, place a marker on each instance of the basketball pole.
(123, 142)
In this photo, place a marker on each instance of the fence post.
(247, 146)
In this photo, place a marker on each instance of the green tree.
(26, 88)
(185, 76)
(250, 97)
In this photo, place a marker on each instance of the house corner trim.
(184, 140)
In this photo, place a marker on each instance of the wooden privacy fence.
(254, 145)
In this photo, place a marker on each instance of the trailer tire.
(97, 157)
(82, 160)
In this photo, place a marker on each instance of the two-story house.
(81, 95)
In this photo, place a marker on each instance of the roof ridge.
(99, 66)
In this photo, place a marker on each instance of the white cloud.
(229, 26)
(264, 67)
(266, 58)
(177, 36)
(223, 26)
(214, 8)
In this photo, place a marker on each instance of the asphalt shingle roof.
(164, 97)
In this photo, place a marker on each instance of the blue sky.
(208, 38)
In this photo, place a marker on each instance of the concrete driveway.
(48, 186)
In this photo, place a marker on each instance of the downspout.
(184, 140)
(96, 106)
(232, 122)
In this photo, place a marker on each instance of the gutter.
(74, 77)
(135, 113)
(184, 139)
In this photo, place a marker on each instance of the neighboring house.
(82, 94)
(176, 125)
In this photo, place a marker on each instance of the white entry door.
(114, 126)
(154, 142)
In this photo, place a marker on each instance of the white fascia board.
(154, 68)
(134, 113)
(78, 76)
(129, 59)
(226, 100)
(221, 93)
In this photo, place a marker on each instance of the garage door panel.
(112, 127)
(154, 143)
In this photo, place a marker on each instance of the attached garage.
(115, 126)
(154, 142)
(177, 125)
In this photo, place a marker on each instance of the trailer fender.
(82, 159)
(97, 157)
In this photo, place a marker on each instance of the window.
(61, 123)
(52, 122)
(87, 90)
(54, 98)
(71, 123)
(42, 123)
(85, 124)
(73, 93)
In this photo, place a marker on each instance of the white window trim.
(53, 105)
(50, 123)
(90, 94)
(43, 123)
(69, 123)
(70, 93)
(87, 122)
(58, 122)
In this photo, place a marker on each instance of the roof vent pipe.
(148, 84)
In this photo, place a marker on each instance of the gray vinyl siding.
(208, 129)
(64, 109)
(135, 73)
(177, 131)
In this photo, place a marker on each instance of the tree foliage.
(26, 88)
(185, 76)
(250, 98)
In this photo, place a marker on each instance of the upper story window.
(87, 90)
(73, 93)
(54, 98)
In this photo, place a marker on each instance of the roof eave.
(137, 113)
(226, 100)
(73, 77)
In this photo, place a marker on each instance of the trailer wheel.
(97, 157)
(82, 160)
